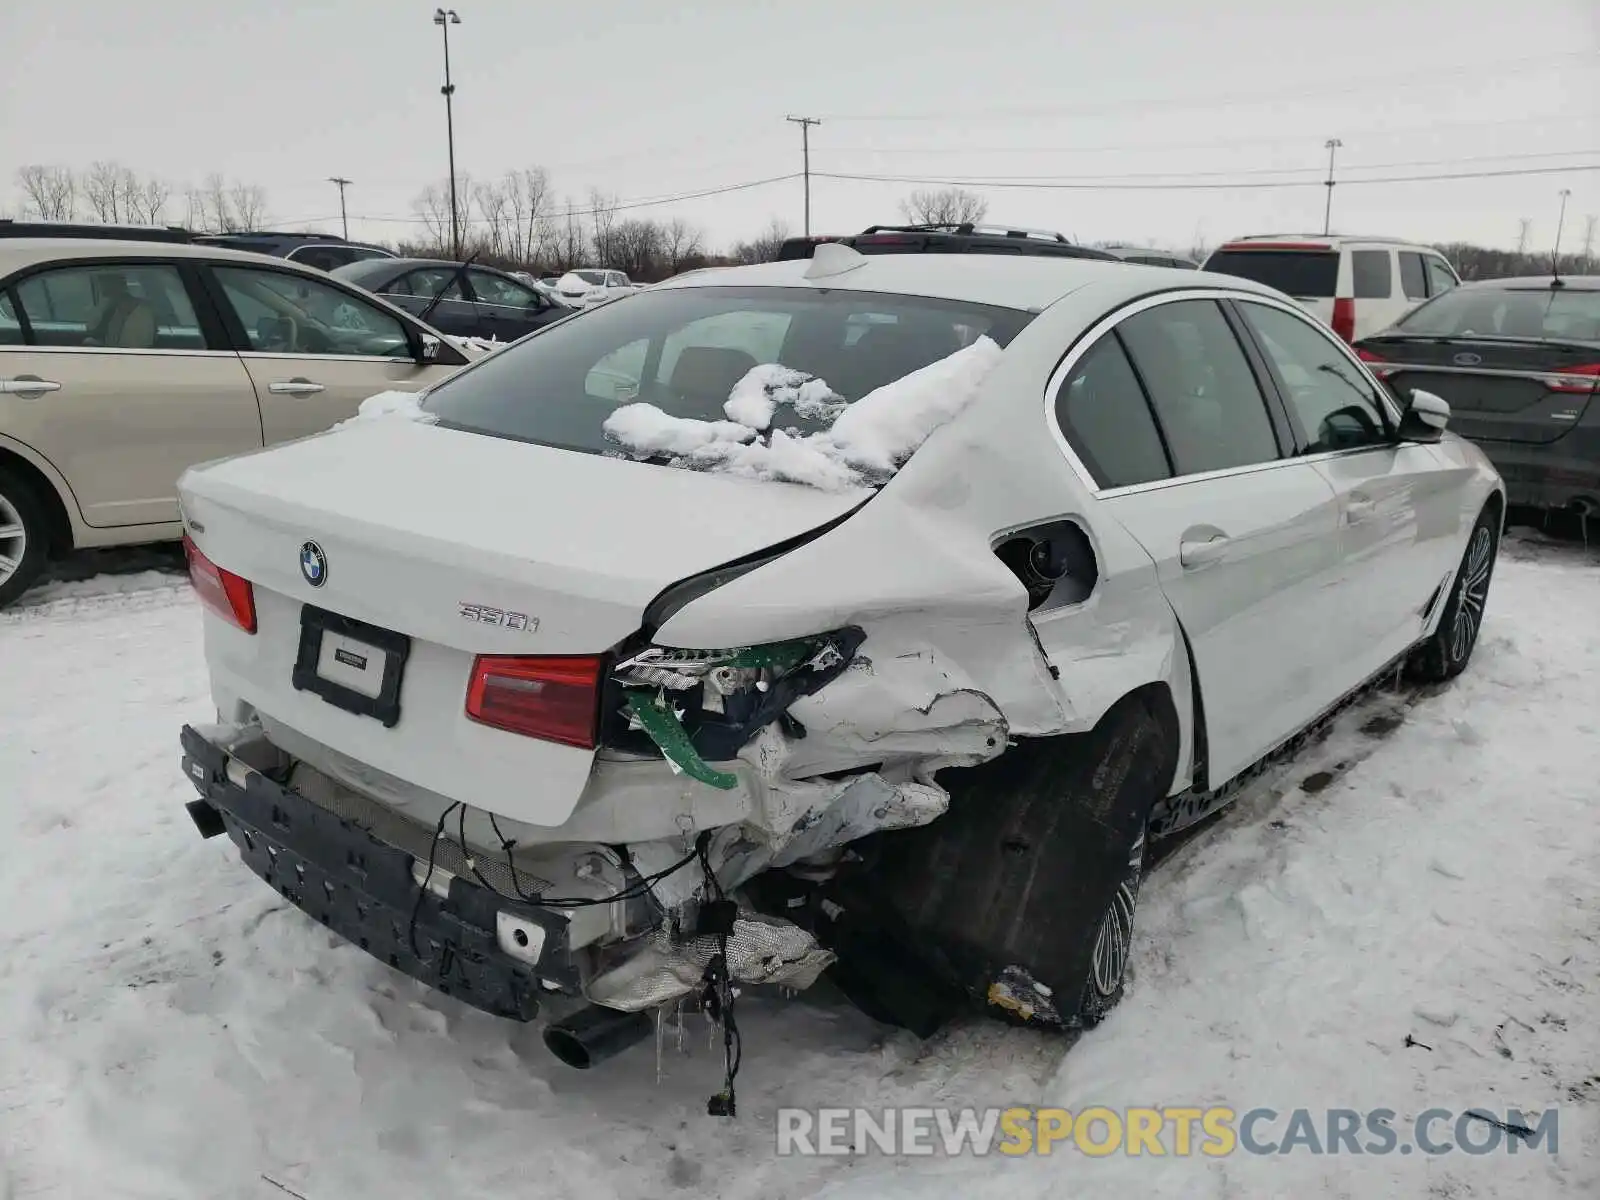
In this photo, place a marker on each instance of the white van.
(1354, 285)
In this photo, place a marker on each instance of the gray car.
(1519, 362)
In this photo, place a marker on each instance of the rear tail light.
(1376, 363)
(1574, 380)
(228, 595)
(554, 698)
(1344, 318)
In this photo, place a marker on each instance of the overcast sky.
(645, 99)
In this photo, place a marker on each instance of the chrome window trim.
(158, 352)
(1092, 336)
(278, 354)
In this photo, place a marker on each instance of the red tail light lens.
(554, 698)
(1574, 380)
(228, 595)
(1344, 318)
(1380, 366)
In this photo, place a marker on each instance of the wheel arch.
(48, 488)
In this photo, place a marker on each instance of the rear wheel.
(23, 537)
(1444, 655)
(1020, 900)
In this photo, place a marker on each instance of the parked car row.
(1521, 371)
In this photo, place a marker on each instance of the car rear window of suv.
(1303, 274)
(684, 349)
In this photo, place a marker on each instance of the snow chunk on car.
(390, 406)
(866, 443)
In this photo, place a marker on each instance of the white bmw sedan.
(862, 615)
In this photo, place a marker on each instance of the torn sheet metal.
(761, 950)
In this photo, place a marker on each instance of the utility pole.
(444, 18)
(805, 124)
(1560, 220)
(1524, 227)
(344, 219)
(1331, 146)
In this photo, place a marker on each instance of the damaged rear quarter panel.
(948, 632)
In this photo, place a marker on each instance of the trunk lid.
(467, 545)
(1498, 389)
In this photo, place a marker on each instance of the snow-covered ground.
(172, 1029)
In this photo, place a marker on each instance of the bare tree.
(48, 193)
(764, 246)
(499, 224)
(683, 245)
(108, 187)
(432, 206)
(249, 202)
(566, 245)
(944, 206)
(603, 221)
(528, 201)
(148, 204)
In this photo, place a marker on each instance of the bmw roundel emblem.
(313, 564)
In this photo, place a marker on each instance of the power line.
(619, 206)
(1386, 133)
(1180, 186)
(1480, 71)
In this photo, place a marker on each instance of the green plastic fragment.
(779, 656)
(654, 712)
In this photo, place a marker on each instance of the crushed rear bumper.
(364, 889)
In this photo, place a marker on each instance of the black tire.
(1445, 655)
(1020, 899)
(22, 555)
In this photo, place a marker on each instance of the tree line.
(517, 221)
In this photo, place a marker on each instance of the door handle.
(295, 387)
(1194, 555)
(28, 386)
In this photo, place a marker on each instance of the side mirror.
(428, 348)
(1425, 417)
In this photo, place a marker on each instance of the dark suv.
(944, 239)
(10, 228)
(324, 251)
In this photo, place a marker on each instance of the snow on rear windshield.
(757, 381)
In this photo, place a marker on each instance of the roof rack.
(971, 229)
(274, 233)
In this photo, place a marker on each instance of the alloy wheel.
(1474, 594)
(13, 538)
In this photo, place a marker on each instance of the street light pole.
(1331, 146)
(344, 219)
(444, 18)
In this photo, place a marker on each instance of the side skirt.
(1178, 812)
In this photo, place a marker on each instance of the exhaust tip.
(568, 1047)
(593, 1034)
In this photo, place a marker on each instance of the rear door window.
(1440, 277)
(1210, 407)
(1371, 274)
(1303, 274)
(1105, 417)
(1413, 275)
(130, 306)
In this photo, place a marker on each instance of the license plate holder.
(335, 661)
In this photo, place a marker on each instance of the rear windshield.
(1303, 274)
(1571, 313)
(683, 350)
